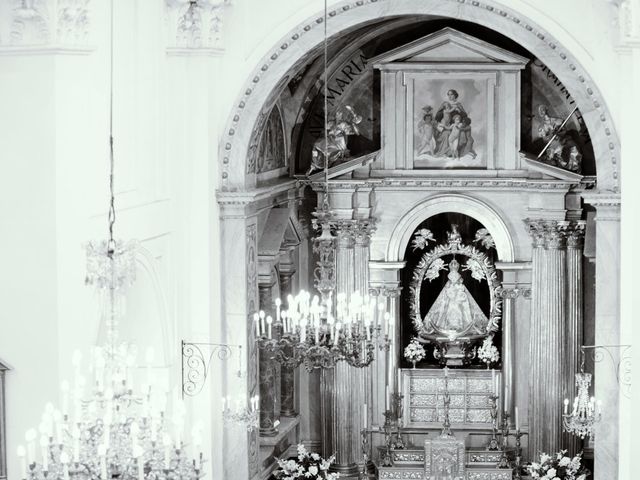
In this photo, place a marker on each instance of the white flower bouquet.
(414, 352)
(558, 467)
(488, 352)
(308, 466)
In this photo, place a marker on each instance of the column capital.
(575, 234)
(363, 229)
(550, 234)
(513, 292)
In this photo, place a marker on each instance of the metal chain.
(112, 209)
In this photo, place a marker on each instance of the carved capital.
(363, 229)
(550, 234)
(43, 22)
(575, 234)
(196, 24)
(511, 293)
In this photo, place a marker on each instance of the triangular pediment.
(549, 170)
(449, 46)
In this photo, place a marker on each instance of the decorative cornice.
(495, 8)
(449, 183)
(602, 199)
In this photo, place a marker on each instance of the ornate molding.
(511, 293)
(61, 24)
(547, 41)
(195, 25)
(447, 184)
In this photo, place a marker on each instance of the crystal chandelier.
(314, 333)
(240, 414)
(586, 412)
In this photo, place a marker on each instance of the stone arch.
(278, 64)
(401, 235)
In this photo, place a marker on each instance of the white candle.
(566, 406)
(386, 397)
(366, 413)
(256, 322)
(30, 437)
(262, 326)
(386, 324)
(278, 303)
(493, 381)
(269, 322)
(102, 453)
(64, 387)
(64, 459)
(23, 463)
(76, 444)
(135, 431)
(446, 372)
(44, 445)
(166, 440)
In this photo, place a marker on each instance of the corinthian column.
(267, 374)
(547, 335)
(347, 381)
(575, 242)
(287, 374)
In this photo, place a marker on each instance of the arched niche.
(281, 64)
(485, 214)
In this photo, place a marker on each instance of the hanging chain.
(325, 200)
(112, 208)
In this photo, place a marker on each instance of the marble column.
(267, 373)
(287, 374)
(347, 381)
(547, 338)
(508, 341)
(574, 307)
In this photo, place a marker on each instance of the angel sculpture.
(484, 237)
(422, 238)
(334, 146)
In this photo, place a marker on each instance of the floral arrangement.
(558, 467)
(414, 352)
(488, 352)
(308, 466)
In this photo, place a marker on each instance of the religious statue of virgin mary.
(454, 310)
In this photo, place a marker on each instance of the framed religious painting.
(450, 120)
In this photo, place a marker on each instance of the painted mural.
(450, 123)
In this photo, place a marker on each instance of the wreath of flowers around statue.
(308, 465)
(488, 352)
(429, 267)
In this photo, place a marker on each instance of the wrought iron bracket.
(621, 362)
(196, 363)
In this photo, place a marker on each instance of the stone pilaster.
(616, 418)
(267, 373)
(547, 337)
(287, 374)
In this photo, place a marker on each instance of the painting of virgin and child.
(445, 137)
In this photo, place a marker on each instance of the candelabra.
(241, 415)
(364, 435)
(493, 442)
(585, 413)
(504, 460)
(396, 399)
(446, 425)
(387, 428)
(308, 332)
(518, 462)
